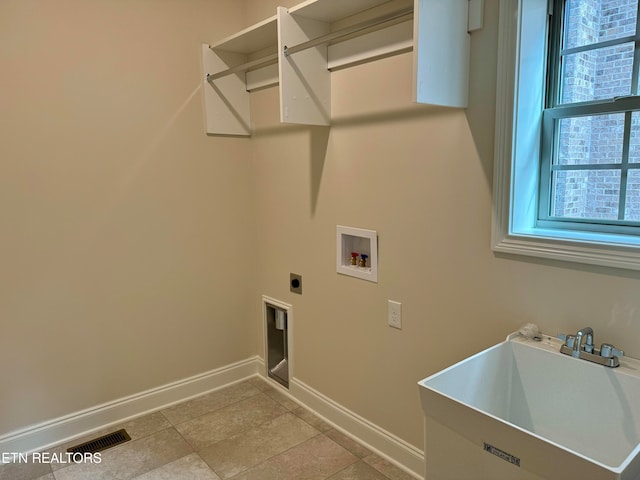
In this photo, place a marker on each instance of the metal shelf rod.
(393, 18)
(245, 67)
(396, 17)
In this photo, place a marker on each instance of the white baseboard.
(71, 426)
(68, 427)
(397, 451)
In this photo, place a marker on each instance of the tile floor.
(247, 431)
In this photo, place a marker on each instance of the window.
(590, 159)
(567, 169)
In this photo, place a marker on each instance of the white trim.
(63, 429)
(510, 234)
(505, 87)
(402, 454)
(68, 427)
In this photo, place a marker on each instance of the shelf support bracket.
(305, 81)
(226, 100)
(476, 15)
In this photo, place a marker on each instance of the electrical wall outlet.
(394, 318)
(295, 283)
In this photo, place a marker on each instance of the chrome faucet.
(586, 332)
(607, 355)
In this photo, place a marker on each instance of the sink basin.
(521, 410)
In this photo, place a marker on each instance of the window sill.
(618, 251)
(602, 239)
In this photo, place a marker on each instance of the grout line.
(168, 424)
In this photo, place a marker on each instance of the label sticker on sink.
(501, 454)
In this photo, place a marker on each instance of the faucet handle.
(569, 340)
(608, 351)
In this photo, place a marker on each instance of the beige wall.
(130, 237)
(421, 177)
(127, 234)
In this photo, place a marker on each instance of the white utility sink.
(522, 410)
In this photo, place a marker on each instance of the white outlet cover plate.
(394, 318)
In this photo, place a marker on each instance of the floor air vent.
(101, 443)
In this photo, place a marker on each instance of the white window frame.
(520, 99)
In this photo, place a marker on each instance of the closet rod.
(245, 67)
(396, 17)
